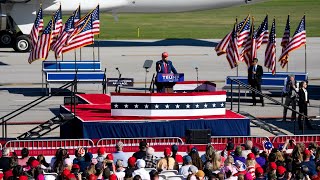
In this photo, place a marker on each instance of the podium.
(169, 80)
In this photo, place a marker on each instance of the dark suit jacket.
(258, 75)
(302, 97)
(160, 67)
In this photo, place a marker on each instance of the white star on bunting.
(156, 106)
(116, 106)
(214, 105)
(126, 106)
(136, 106)
(197, 105)
(177, 106)
(222, 105)
(188, 106)
(205, 105)
(146, 106)
(167, 106)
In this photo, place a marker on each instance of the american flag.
(299, 39)
(83, 37)
(41, 50)
(270, 54)
(37, 27)
(249, 49)
(262, 33)
(286, 39)
(243, 30)
(232, 49)
(96, 21)
(57, 26)
(222, 46)
(68, 28)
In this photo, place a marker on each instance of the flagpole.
(305, 57)
(237, 45)
(305, 46)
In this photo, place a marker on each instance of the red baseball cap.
(281, 170)
(75, 166)
(101, 150)
(165, 54)
(179, 158)
(23, 177)
(92, 177)
(307, 152)
(259, 170)
(251, 156)
(167, 152)
(110, 157)
(273, 166)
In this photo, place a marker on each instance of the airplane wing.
(23, 15)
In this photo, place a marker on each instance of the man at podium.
(164, 66)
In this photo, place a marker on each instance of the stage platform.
(94, 120)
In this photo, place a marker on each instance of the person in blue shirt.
(164, 66)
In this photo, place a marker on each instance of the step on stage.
(128, 115)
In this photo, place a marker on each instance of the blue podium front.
(165, 82)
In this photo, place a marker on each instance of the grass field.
(212, 23)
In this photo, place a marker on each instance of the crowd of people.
(245, 162)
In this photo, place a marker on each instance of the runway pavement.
(20, 82)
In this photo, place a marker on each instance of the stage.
(93, 120)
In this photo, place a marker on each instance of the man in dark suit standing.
(164, 66)
(255, 73)
(303, 104)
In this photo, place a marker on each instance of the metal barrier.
(219, 142)
(298, 138)
(49, 144)
(111, 142)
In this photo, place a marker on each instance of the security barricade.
(48, 146)
(219, 142)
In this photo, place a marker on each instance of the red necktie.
(165, 68)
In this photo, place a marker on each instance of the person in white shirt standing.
(303, 105)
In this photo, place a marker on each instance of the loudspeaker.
(198, 136)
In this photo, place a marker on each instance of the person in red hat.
(310, 164)
(166, 163)
(101, 154)
(131, 167)
(259, 173)
(164, 66)
(281, 173)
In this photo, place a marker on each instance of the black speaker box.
(198, 136)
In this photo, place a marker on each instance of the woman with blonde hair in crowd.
(228, 163)
(216, 162)
(252, 165)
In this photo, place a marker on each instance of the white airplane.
(17, 16)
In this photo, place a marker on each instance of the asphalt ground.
(20, 82)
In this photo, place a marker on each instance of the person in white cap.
(141, 164)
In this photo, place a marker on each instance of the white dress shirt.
(305, 94)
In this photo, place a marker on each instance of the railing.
(246, 86)
(28, 106)
(111, 142)
(219, 142)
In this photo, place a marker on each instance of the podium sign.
(162, 77)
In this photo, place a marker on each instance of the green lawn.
(212, 23)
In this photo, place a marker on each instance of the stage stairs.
(263, 125)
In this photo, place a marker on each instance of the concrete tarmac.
(20, 82)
